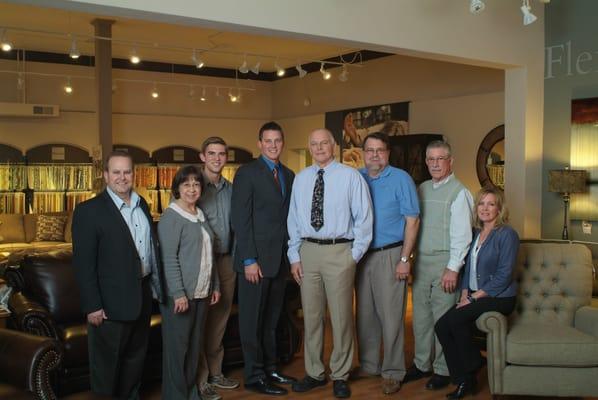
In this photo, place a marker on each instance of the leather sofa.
(549, 345)
(46, 303)
(26, 362)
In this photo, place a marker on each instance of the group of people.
(334, 229)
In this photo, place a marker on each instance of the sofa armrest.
(495, 325)
(27, 360)
(14, 277)
(586, 320)
(31, 317)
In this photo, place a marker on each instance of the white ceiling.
(155, 41)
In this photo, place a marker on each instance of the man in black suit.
(116, 260)
(260, 204)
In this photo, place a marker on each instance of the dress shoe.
(438, 382)
(390, 386)
(341, 389)
(414, 373)
(277, 377)
(463, 389)
(262, 386)
(307, 383)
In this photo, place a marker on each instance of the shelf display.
(44, 202)
(12, 177)
(146, 176)
(46, 177)
(12, 203)
(74, 198)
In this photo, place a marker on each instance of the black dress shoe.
(307, 383)
(414, 373)
(341, 389)
(277, 377)
(463, 389)
(262, 386)
(438, 382)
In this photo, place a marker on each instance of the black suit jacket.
(107, 265)
(259, 217)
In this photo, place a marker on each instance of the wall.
(571, 30)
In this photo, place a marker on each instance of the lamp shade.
(567, 181)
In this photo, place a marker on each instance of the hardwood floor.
(365, 388)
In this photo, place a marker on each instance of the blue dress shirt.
(139, 226)
(394, 197)
(347, 209)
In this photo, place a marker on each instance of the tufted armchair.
(549, 345)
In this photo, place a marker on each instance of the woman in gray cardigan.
(186, 251)
(487, 284)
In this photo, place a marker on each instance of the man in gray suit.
(260, 204)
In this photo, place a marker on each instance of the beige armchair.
(549, 345)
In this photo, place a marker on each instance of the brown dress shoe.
(390, 386)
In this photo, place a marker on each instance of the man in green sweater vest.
(445, 236)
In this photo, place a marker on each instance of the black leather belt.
(328, 241)
(388, 246)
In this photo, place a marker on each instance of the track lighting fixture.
(528, 17)
(344, 75)
(203, 94)
(244, 68)
(279, 70)
(155, 94)
(133, 57)
(4, 43)
(74, 52)
(197, 61)
(325, 74)
(476, 6)
(68, 88)
(256, 68)
(233, 98)
(301, 71)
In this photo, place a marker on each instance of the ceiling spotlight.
(155, 94)
(68, 88)
(307, 102)
(74, 52)
(198, 62)
(232, 97)
(528, 17)
(4, 43)
(203, 95)
(344, 76)
(301, 71)
(133, 57)
(256, 68)
(476, 6)
(325, 74)
(279, 71)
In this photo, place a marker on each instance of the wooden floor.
(365, 388)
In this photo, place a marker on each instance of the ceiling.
(156, 41)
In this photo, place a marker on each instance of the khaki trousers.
(328, 277)
(210, 360)
(381, 303)
(430, 303)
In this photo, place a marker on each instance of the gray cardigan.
(180, 248)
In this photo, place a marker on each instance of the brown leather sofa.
(46, 303)
(26, 362)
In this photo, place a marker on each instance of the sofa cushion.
(15, 246)
(11, 228)
(551, 345)
(50, 228)
(31, 223)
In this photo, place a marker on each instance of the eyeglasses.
(371, 152)
(437, 159)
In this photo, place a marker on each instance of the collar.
(120, 203)
(271, 164)
(383, 174)
(219, 185)
(198, 217)
(442, 182)
(327, 168)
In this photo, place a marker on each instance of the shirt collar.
(271, 164)
(385, 172)
(218, 185)
(326, 168)
(120, 203)
(442, 182)
(199, 217)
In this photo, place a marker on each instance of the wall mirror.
(490, 162)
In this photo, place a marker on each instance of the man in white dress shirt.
(445, 236)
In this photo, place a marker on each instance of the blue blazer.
(495, 263)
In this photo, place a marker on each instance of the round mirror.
(490, 162)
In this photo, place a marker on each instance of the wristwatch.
(404, 259)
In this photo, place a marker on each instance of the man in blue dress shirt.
(330, 229)
(383, 272)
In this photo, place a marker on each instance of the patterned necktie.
(275, 173)
(317, 202)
